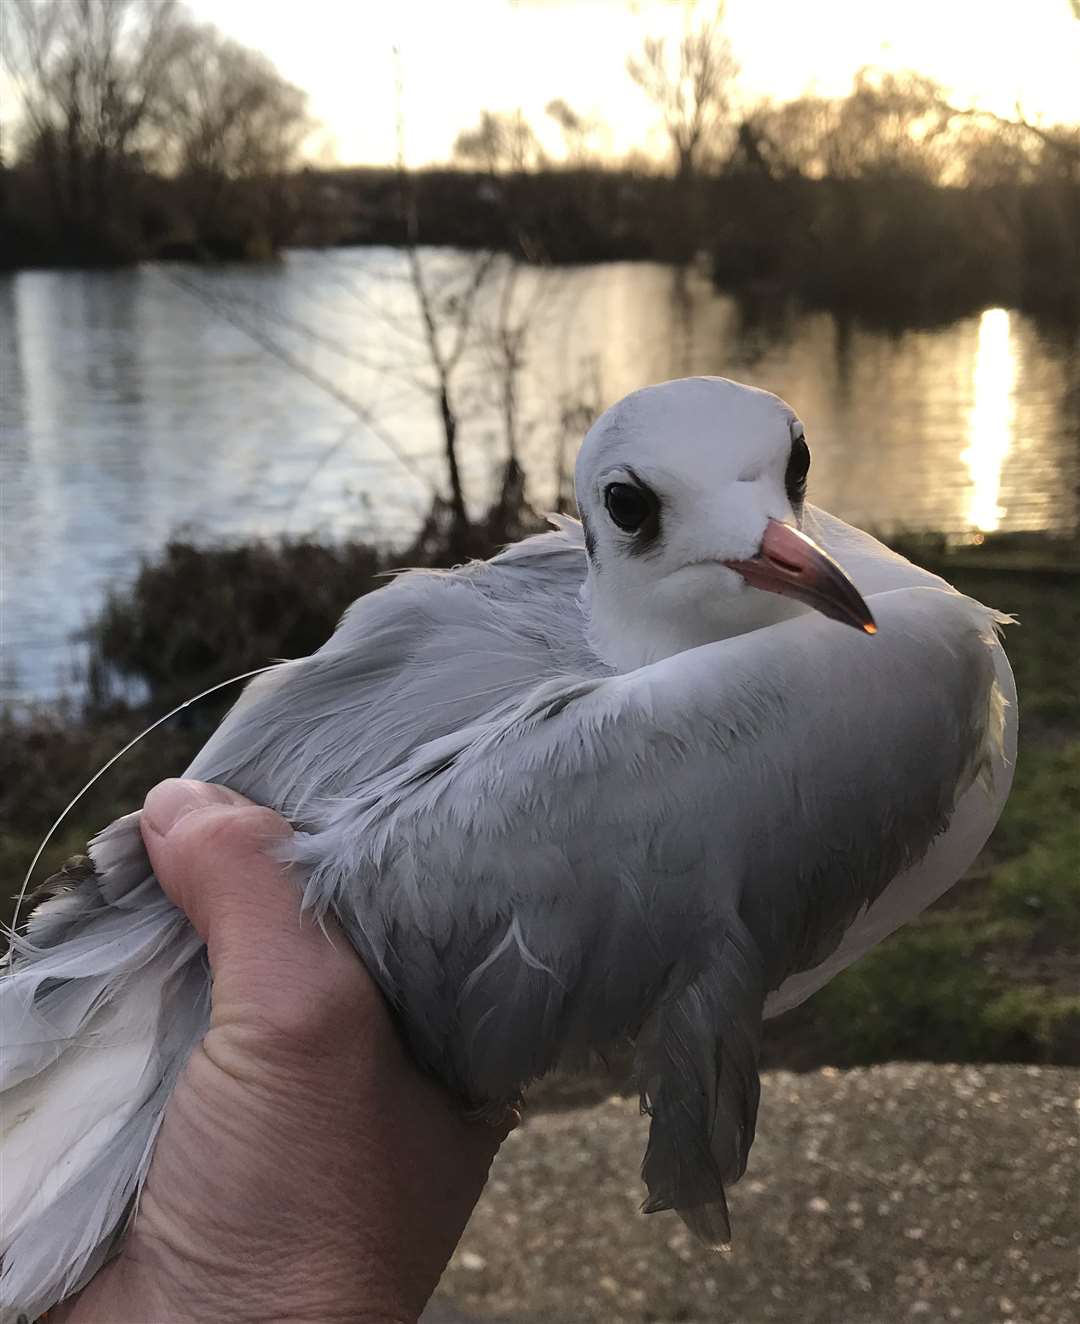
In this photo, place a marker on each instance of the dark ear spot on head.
(590, 538)
(798, 466)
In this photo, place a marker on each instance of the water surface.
(295, 398)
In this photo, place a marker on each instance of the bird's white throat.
(707, 603)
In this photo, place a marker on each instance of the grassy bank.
(991, 972)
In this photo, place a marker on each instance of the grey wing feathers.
(429, 654)
(105, 996)
(108, 961)
(606, 837)
(536, 859)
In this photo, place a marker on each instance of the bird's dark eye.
(629, 505)
(798, 466)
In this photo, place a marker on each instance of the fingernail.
(170, 800)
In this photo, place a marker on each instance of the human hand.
(305, 1169)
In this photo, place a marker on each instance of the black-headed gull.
(634, 778)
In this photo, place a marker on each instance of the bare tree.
(446, 314)
(895, 124)
(91, 80)
(902, 124)
(576, 130)
(505, 336)
(891, 124)
(1034, 151)
(467, 318)
(446, 318)
(690, 86)
(579, 408)
(236, 129)
(786, 140)
(114, 90)
(501, 143)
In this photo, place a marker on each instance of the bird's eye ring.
(628, 505)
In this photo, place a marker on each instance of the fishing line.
(222, 684)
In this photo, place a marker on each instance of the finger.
(213, 852)
(206, 842)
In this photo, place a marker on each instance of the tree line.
(888, 203)
(143, 133)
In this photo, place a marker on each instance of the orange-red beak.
(793, 565)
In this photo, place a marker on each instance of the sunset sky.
(458, 57)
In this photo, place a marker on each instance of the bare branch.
(692, 89)
(227, 310)
(480, 273)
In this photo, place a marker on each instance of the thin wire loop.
(223, 684)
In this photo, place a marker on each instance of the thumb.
(215, 854)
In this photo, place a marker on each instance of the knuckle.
(208, 854)
(217, 832)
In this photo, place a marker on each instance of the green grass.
(1027, 1015)
(1046, 789)
(1042, 886)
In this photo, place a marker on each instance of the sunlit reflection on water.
(131, 411)
(990, 426)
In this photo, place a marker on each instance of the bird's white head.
(691, 494)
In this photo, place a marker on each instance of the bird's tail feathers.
(697, 1065)
(105, 997)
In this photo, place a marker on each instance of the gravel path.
(873, 1196)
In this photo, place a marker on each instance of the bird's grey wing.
(431, 652)
(107, 994)
(426, 655)
(875, 569)
(649, 854)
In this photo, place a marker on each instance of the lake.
(295, 398)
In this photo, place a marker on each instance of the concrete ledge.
(873, 1196)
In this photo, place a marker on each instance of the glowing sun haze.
(457, 58)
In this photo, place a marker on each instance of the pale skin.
(306, 1171)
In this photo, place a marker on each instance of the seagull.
(649, 777)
